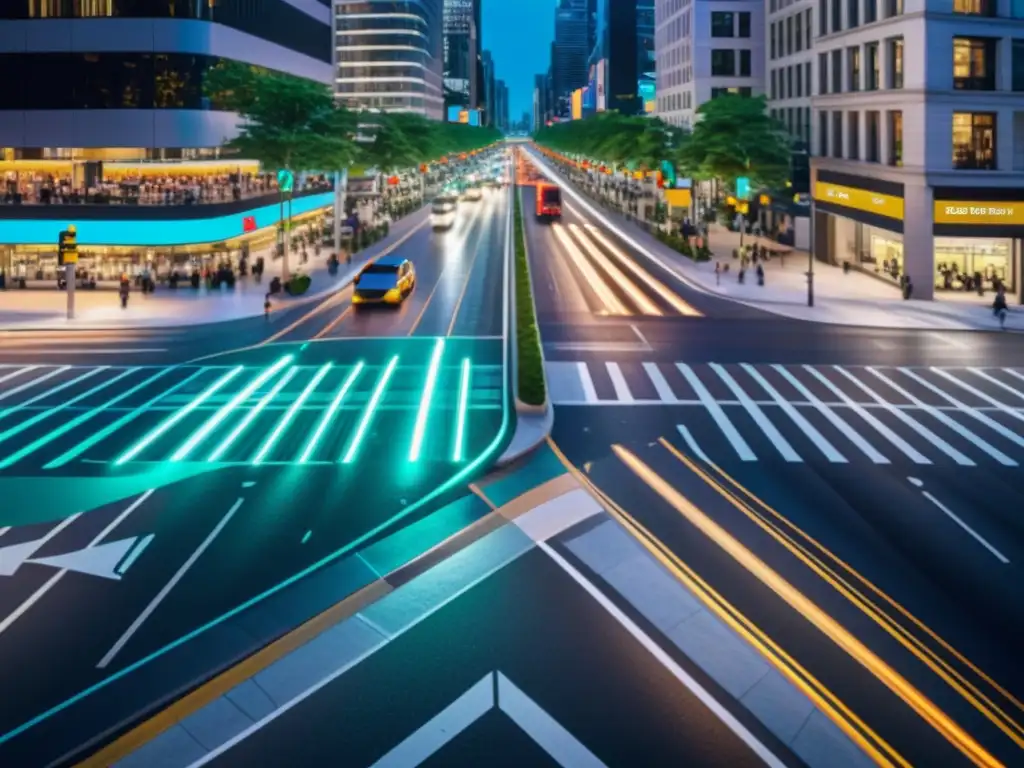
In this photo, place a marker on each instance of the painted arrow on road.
(101, 560)
(495, 691)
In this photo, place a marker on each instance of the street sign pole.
(69, 277)
(67, 254)
(743, 195)
(810, 258)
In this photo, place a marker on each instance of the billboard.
(646, 91)
(457, 114)
(577, 104)
(602, 98)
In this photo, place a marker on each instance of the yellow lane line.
(334, 323)
(968, 690)
(828, 626)
(829, 704)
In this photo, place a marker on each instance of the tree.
(614, 139)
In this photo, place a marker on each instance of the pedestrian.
(718, 273)
(266, 306)
(999, 308)
(760, 275)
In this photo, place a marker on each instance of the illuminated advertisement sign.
(589, 99)
(602, 98)
(577, 104)
(860, 200)
(973, 212)
(645, 89)
(159, 233)
(459, 114)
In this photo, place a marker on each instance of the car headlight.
(393, 295)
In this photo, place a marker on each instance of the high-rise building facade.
(501, 105)
(488, 100)
(706, 48)
(569, 53)
(390, 54)
(461, 52)
(615, 57)
(79, 77)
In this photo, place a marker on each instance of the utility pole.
(810, 258)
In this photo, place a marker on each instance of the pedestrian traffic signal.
(67, 246)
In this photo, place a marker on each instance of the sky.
(518, 33)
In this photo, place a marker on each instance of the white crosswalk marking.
(808, 429)
(993, 380)
(716, 412)
(589, 392)
(848, 432)
(1003, 407)
(665, 393)
(622, 393)
(780, 442)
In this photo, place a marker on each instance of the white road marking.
(17, 554)
(622, 392)
(155, 602)
(29, 384)
(589, 393)
(83, 351)
(1012, 412)
(691, 443)
(992, 379)
(557, 515)
(661, 386)
(19, 372)
(974, 534)
(781, 443)
(716, 413)
(643, 339)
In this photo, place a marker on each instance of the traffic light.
(67, 246)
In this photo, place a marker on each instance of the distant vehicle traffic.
(549, 202)
(473, 193)
(443, 211)
(388, 280)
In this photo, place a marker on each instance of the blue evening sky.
(518, 33)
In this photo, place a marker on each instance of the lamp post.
(810, 258)
(285, 185)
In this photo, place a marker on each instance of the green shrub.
(298, 284)
(530, 362)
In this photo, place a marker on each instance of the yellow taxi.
(388, 280)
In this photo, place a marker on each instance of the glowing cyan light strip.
(31, 422)
(251, 416)
(197, 401)
(371, 406)
(59, 388)
(428, 395)
(214, 421)
(460, 427)
(67, 426)
(329, 414)
(289, 415)
(110, 429)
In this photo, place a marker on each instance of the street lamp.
(285, 185)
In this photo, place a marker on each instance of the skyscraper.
(461, 52)
(569, 52)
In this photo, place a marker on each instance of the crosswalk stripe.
(981, 395)
(808, 429)
(716, 412)
(589, 392)
(619, 383)
(975, 414)
(915, 425)
(39, 380)
(906, 448)
(848, 432)
(665, 393)
(781, 443)
(1014, 374)
(18, 372)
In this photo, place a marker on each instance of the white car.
(443, 211)
(473, 194)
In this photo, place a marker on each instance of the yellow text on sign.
(961, 212)
(860, 199)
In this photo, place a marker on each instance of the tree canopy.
(290, 122)
(610, 137)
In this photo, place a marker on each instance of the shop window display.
(967, 264)
(878, 251)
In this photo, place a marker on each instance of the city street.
(876, 471)
(149, 503)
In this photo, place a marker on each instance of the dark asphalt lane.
(531, 623)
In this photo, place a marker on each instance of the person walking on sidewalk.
(999, 308)
(718, 273)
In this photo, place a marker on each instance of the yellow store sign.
(961, 212)
(860, 199)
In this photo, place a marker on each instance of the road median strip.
(531, 388)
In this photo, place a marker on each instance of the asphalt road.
(528, 632)
(877, 471)
(146, 503)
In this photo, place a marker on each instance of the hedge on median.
(530, 362)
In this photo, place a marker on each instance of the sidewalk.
(101, 309)
(854, 298)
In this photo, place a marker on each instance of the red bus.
(549, 201)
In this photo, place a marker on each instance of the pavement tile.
(821, 744)
(174, 748)
(539, 467)
(604, 547)
(718, 651)
(425, 593)
(217, 722)
(778, 704)
(251, 699)
(652, 591)
(300, 670)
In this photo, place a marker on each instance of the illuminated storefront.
(978, 239)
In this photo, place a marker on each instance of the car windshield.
(552, 196)
(380, 269)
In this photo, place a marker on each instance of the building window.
(872, 147)
(772, 35)
(789, 82)
(852, 13)
(744, 24)
(822, 73)
(723, 62)
(895, 74)
(722, 24)
(837, 15)
(895, 121)
(870, 11)
(822, 18)
(975, 7)
(974, 64)
(799, 81)
(893, 8)
(823, 134)
(974, 141)
(744, 62)
(1017, 78)
(740, 91)
(872, 71)
(807, 29)
(837, 71)
(774, 92)
(798, 32)
(808, 81)
(837, 134)
(853, 135)
(789, 35)
(853, 63)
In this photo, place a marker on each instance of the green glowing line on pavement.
(60, 388)
(460, 427)
(214, 421)
(110, 429)
(289, 415)
(428, 394)
(371, 406)
(329, 414)
(197, 401)
(66, 427)
(31, 422)
(251, 416)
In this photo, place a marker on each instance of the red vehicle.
(549, 202)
